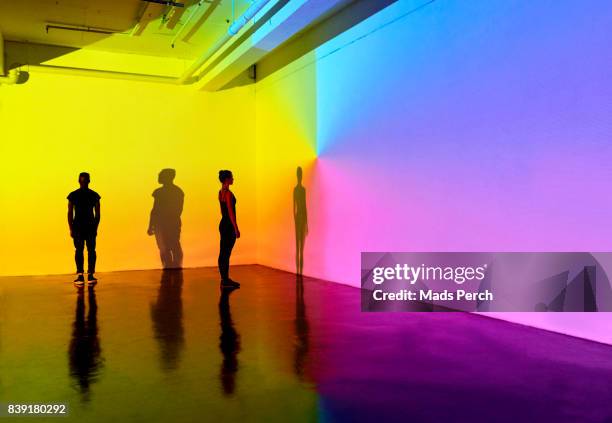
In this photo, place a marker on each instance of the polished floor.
(153, 346)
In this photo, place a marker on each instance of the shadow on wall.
(165, 220)
(84, 350)
(300, 218)
(229, 343)
(167, 318)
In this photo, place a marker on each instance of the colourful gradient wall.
(123, 133)
(443, 126)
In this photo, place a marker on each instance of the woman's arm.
(230, 209)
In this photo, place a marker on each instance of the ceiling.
(147, 41)
(124, 26)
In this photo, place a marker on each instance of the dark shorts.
(84, 231)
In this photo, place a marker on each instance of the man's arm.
(97, 216)
(70, 216)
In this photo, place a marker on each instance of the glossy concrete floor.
(153, 346)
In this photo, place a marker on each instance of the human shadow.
(300, 218)
(167, 318)
(165, 220)
(84, 352)
(300, 356)
(229, 344)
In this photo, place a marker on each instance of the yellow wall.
(123, 133)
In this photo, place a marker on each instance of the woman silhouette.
(227, 227)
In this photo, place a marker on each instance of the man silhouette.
(83, 220)
(165, 220)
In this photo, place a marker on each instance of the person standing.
(228, 227)
(83, 221)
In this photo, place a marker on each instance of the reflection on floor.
(168, 346)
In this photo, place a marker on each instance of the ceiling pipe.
(234, 28)
(102, 74)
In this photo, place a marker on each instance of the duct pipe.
(234, 28)
(248, 14)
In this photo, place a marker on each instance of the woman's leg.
(231, 240)
(223, 260)
(228, 239)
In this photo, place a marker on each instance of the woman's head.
(226, 177)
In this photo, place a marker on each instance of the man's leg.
(79, 246)
(91, 253)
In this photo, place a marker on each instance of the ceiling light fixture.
(66, 27)
(166, 3)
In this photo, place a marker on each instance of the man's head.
(84, 179)
(166, 176)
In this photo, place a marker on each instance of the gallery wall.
(123, 133)
(478, 126)
(444, 126)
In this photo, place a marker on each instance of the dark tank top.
(225, 217)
